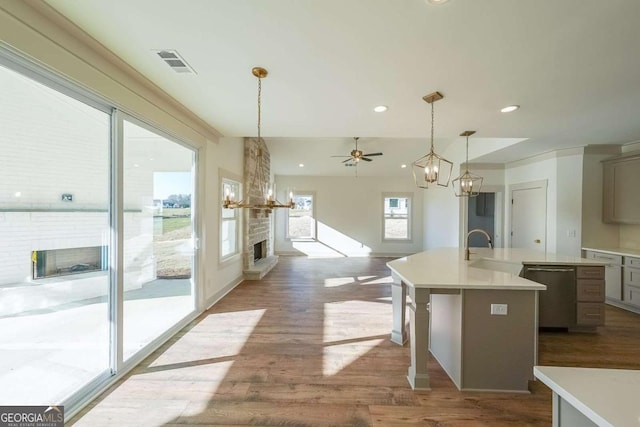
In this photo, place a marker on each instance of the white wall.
(569, 204)
(220, 276)
(349, 215)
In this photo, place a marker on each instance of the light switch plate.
(499, 309)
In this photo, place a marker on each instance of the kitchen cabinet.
(622, 275)
(590, 295)
(631, 284)
(574, 298)
(621, 199)
(612, 273)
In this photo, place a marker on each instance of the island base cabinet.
(481, 351)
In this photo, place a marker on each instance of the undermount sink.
(492, 264)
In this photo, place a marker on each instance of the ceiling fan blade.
(365, 159)
(372, 154)
(345, 161)
(339, 156)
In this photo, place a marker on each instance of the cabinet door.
(621, 199)
(632, 295)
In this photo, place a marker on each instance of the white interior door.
(529, 218)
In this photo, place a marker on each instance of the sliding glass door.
(68, 322)
(158, 235)
(54, 223)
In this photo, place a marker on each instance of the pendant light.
(260, 188)
(432, 168)
(467, 184)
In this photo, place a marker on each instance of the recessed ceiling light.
(380, 108)
(437, 1)
(301, 165)
(18, 194)
(403, 166)
(510, 108)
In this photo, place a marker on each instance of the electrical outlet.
(499, 309)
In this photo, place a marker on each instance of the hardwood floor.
(309, 345)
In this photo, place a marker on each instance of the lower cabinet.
(590, 294)
(631, 281)
(612, 272)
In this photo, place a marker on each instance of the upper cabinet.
(621, 190)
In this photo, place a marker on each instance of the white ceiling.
(573, 66)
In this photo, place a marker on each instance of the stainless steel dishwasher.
(556, 305)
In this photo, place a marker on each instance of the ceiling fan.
(356, 155)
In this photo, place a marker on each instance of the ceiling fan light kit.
(260, 181)
(432, 168)
(467, 184)
(356, 155)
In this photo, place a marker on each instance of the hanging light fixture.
(432, 168)
(467, 184)
(260, 194)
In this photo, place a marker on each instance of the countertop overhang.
(446, 268)
(608, 397)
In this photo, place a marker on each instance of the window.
(300, 219)
(229, 222)
(397, 217)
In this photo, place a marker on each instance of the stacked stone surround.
(257, 222)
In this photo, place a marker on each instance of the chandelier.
(432, 168)
(467, 184)
(260, 194)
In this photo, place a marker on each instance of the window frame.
(314, 228)
(398, 195)
(226, 177)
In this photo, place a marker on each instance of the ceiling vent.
(173, 59)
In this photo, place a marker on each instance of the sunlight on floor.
(337, 357)
(234, 328)
(334, 282)
(381, 280)
(351, 320)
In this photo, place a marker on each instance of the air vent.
(173, 59)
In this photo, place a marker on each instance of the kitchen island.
(478, 318)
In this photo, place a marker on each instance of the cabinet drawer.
(632, 261)
(631, 276)
(590, 314)
(604, 257)
(631, 295)
(590, 290)
(590, 272)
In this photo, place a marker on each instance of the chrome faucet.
(467, 253)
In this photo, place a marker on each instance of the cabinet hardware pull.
(554, 270)
(591, 314)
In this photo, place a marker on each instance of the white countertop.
(608, 397)
(616, 251)
(446, 268)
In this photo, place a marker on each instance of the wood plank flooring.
(309, 346)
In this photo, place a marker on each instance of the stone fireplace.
(257, 222)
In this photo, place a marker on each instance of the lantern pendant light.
(467, 184)
(432, 168)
